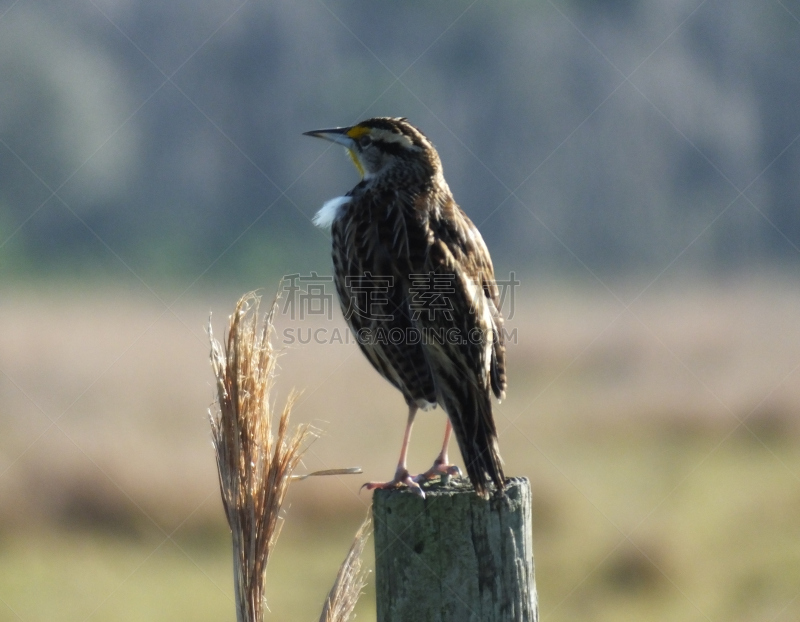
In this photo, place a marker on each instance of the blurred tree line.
(164, 138)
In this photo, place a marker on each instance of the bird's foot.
(441, 469)
(401, 477)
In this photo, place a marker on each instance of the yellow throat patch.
(355, 133)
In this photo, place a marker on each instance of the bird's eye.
(364, 141)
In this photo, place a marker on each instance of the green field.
(661, 440)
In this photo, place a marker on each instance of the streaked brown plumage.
(396, 232)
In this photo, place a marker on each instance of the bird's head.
(378, 145)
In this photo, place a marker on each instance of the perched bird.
(416, 285)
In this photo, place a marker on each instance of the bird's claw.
(400, 478)
(439, 469)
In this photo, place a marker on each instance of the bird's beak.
(335, 135)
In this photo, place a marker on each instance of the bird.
(416, 286)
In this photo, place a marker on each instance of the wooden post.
(453, 556)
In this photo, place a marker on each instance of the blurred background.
(632, 164)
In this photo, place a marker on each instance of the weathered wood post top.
(453, 556)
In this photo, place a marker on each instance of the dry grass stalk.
(254, 465)
(350, 581)
(345, 471)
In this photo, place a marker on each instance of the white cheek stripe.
(391, 137)
(329, 212)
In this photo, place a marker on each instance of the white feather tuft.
(425, 404)
(329, 212)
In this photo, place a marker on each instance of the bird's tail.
(470, 412)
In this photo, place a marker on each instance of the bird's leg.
(401, 475)
(441, 466)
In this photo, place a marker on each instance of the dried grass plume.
(350, 581)
(255, 466)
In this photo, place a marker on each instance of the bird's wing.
(464, 253)
(463, 333)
